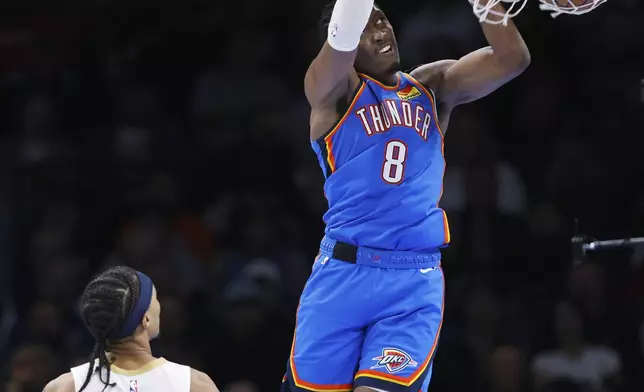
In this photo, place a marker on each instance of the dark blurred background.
(173, 137)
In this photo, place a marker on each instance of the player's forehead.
(376, 13)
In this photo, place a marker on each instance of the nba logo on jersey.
(134, 386)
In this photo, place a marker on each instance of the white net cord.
(483, 9)
(569, 8)
(486, 14)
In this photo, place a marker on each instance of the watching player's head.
(378, 50)
(118, 306)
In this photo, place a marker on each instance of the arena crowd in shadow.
(175, 141)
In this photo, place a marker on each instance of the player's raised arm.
(480, 72)
(329, 76)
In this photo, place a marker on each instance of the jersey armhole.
(180, 377)
(432, 97)
(425, 89)
(79, 373)
(343, 108)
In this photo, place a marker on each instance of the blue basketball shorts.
(373, 323)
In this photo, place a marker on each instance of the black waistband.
(382, 258)
(345, 252)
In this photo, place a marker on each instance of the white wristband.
(348, 21)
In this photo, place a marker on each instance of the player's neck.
(388, 79)
(131, 355)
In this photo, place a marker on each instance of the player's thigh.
(399, 347)
(328, 336)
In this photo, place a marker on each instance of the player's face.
(153, 315)
(378, 51)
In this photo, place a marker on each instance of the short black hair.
(106, 303)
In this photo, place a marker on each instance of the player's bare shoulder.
(431, 75)
(201, 382)
(64, 383)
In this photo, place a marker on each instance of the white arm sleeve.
(348, 20)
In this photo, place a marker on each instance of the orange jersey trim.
(435, 110)
(328, 139)
(384, 86)
(408, 381)
(330, 157)
(448, 236)
(431, 99)
(309, 385)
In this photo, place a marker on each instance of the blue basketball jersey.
(383, 163)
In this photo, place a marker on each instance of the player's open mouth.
(386, 49)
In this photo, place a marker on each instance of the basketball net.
(486, 14)
(570, 9)
(483, 9)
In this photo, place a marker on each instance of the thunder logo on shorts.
(393, 360)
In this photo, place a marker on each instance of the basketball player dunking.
(121, 311)
(371, 312)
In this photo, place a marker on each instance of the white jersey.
(157, 376)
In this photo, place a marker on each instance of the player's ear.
(146, 321)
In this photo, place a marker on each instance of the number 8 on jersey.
(393, 168)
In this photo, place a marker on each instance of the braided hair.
(105, 304)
